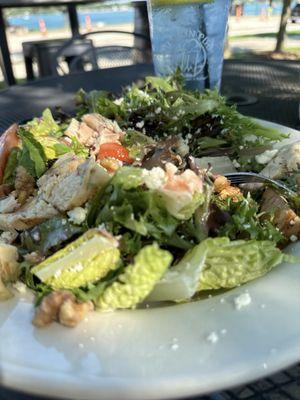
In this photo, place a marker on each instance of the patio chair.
(110, 49)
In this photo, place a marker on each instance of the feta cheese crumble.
(266, 156)
(77, 215)
(293, 238)
(212, 337)
(140, 124)
(154, 178)
(243, 300)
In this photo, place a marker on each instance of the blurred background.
(258, 29)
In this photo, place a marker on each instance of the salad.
(126, 203)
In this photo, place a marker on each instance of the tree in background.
(285, 14)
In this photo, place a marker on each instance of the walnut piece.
(61, 306)
(71, 312)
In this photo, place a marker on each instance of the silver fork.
(238, 178)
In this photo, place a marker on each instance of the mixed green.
(126, 204)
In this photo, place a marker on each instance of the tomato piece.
(114, 150)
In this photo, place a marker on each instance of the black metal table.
(276, 85)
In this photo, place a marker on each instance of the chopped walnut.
(60, 306)
(224, 189)
(71, 312)
(24, 185)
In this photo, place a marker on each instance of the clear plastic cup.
(190, 36)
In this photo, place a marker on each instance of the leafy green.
(135, 142)
(32, 157)
(181, 281)
(11, 166)
(126, 203)
(44, 126)
(49, 235)
(138, 279)
(246, 222)
(231, 263)
(84, 261)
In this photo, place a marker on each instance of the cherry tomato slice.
(114, 150)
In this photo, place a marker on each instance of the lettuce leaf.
(11, 166)
(138, 279)
(181, 281)
(181, 205)
(32, 157)
(44, 126)
(231, 263)
(86, 260)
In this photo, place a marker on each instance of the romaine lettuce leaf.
(44, 126)
(138, 279)
(32, 156)
(84, 261)
(181, 281)
(231, 263)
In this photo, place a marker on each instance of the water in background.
(59, 20)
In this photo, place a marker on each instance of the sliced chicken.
(32, 213)
(70, 183)
(95, 130)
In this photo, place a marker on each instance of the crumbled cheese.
(36, 236)
(266, 156)
(158, 110)
(140, 124)
(242, 300)
(77, 215)
(236, 164)
(119, 101)
(293, 238)
(20, 287)
(212, 337)
(154, 178)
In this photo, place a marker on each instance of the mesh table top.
(274, 91)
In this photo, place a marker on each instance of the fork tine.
(238, 178)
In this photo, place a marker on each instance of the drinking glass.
(189, 35)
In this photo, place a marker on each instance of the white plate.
(157, 353)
